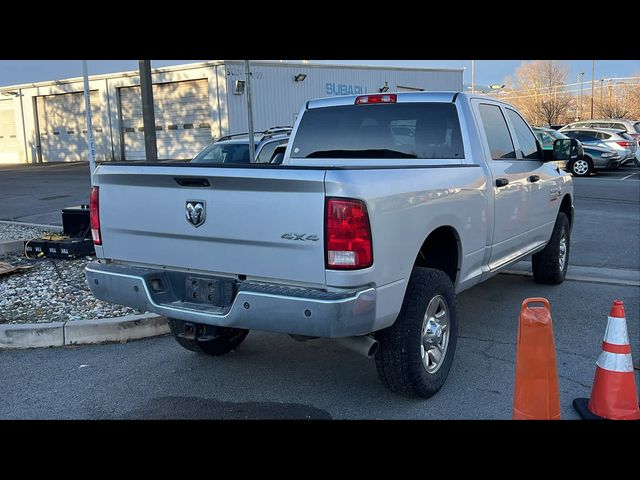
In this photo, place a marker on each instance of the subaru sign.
(344, 89)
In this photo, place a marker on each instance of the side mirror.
(566, 149)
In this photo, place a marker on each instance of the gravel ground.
(18, 232)
(46, 294)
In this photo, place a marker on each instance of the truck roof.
(402, 97)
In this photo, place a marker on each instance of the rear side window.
(602, 135)
(398, 130)
(636, 127)
(495, 126)
(585, 136)
(580, 136)
(526, 139)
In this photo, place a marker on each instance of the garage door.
(9, 147)
(63, 131)
(183, 120)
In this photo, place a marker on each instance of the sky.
(488, 72)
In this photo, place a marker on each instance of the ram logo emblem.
(195, 212)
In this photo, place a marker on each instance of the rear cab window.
(418, 130)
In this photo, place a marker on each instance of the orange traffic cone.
(614, 395)
(536, 394)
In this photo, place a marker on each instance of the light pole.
(601, 85)
(87, 112)
(577, 116)
(581, 85)
(252, 145)
(609, 105)
(593, 76)
(473, 76)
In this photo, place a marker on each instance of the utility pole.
(87, 111)
(610, 116)
(252, 145)
(148, 116)
(593, 77)
(601, 100)
(473, 76)
(581, 86)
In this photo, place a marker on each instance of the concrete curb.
(32, 335)
(11, 246)
(578, 273)
(80, 332)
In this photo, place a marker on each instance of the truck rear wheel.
(224, 339)
(550, 264)
(416, 352)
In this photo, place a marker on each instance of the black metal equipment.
(75, 240)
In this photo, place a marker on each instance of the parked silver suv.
(617, 140)
(632, 127)
(235, 148)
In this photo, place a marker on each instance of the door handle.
(501, 182)
(534, 178)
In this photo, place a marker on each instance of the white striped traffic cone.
(614, 395)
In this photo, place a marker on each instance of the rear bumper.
(256, 306)
(606, 162)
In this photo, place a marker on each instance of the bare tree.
(617, 100)
(540, 94)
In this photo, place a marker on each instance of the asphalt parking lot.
(273, 376)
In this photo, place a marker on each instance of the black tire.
(546, 263)
(580, 165)
(399, 358)
(226, 339)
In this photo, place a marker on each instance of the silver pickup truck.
(383, 208)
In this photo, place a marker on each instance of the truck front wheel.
(215, 341)
(550, 264)
(415, 353)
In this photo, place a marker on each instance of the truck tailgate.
(265, 223)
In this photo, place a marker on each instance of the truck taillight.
(384, 98)
(625, 144)
(95, 216)
(347, 235)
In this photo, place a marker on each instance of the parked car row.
(607, 144)
(594, 156)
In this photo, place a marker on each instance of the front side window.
(393, 130)
(555, 134)
(526, 139)
(498, 136)
(545, 138)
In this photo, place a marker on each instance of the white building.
(194, 103)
